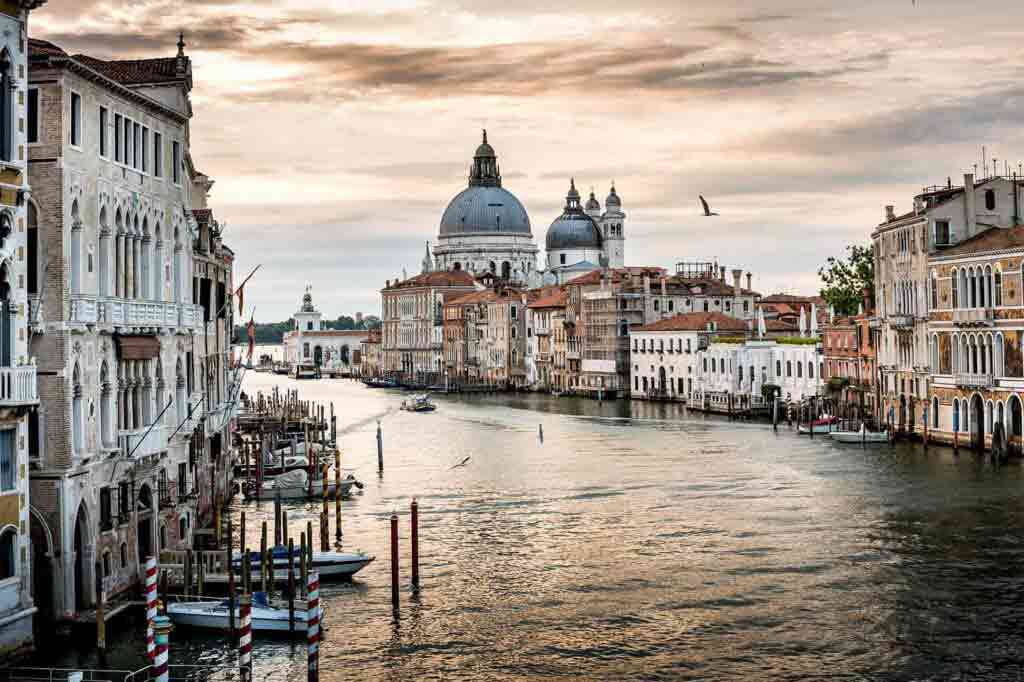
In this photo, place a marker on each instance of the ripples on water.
(639, 542)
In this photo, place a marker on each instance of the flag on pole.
(241, 298)
(252, 337)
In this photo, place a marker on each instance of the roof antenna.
(181, 44)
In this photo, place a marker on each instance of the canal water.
(637, 541)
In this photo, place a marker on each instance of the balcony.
(974, 317)
(84, 309)
(901, 321)
(974, 380)
(132, 313)
(144, 442)
(18, 386)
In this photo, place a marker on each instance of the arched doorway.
(1015, 425)
(903, 413)
(506, 270)
(661, 379)
(83, 561)
(318, 356)
(144, 509)
(344, 355)
(457, 266)
(42, 569)
(977, 423)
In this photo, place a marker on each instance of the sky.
(337, 131)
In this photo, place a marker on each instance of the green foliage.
(729, 339)
(273, 332)
(797, 341)
(846, 279)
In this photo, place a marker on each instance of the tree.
(846, 279)
(345, 322)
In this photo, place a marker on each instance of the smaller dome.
(592, 203)
(573, 231)
(613, 198)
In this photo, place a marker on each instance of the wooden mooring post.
(291, 587)
(380, 449)
(337, 496)
(414, 540)
(263, 558)
(229, 565)
(394, 560)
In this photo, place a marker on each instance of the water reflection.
(640, 541)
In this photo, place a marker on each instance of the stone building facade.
(125, 389)
(19, 414)
(412, 322)
(311, 343)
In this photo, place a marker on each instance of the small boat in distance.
(295, 485)
(306, 371)
(329, 565)
(419, 403)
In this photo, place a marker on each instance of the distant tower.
(428, 264)
(612, 227)
(307, 319)
(593, 206)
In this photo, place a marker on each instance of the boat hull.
(327, 565)
(213, 615)
(858, 437)
(302, 492)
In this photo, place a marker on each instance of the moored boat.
(862, 436)
(419, 403)
(823, 425)
(295, 485)
(327, 564)
(213, 614)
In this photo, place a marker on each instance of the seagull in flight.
(707, 209)
(460, 464)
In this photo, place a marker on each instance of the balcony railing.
(145, 441)
(974, 380)
(974, 316)
(121, 312)
(901, 321)
(84, 309)
(18, 386)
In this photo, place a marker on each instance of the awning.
(138, 347)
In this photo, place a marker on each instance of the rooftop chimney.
(721, 273)
(970, 212)
(647, 285)
(664, 291)
(737, 274)
(749, 286)
(890, 213)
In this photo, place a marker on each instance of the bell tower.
(613, 224)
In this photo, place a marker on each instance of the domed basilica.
(485, 229)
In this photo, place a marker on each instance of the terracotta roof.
(619, 274)
(44, 48)
(995, 239)
(791, 298)
(781, 326)
(556, 299)
(470, 298)
(441, 278)
(136, 71)
(695, 322)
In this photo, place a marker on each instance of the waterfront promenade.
(638, 541)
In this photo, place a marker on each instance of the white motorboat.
(294, 485)
(862, 436)
(823, 425)
(213, 614)
(327, 564)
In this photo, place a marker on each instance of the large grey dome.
(485, 209)
(485, 206)
(573, 231)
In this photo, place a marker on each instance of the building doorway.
(83, 569)
(42, 570)
(144, 508)
(318, 356)
(977, 423)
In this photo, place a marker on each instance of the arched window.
(6, 107)
(990, 200)
(106, 406)
(997, 288)
(956, 414)
(778, 368)
(182, 529)
(935, 413)
(77, 417)
(810, 369)
(789, 368)
(799, 370)
(935, 291)
(8, 543)
(124, 555)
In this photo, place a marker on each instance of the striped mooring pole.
(313, 625)
(150, 605)
(162, 628)
(245, 637)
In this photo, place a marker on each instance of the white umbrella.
(761, 327)
(803, 324)
(814, 320)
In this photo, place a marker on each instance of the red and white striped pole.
(313, 625)
(245, 636)
(162, 628)
(150, 605)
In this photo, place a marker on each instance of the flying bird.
(707, 209)
(460, 464)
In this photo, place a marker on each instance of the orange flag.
(252, 337)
